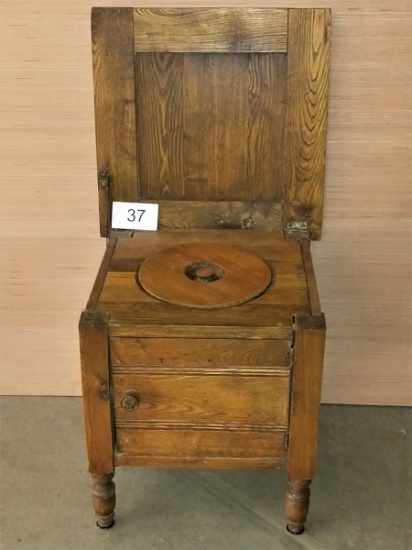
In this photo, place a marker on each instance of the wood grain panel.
(198, 353)
(220, 399)
(288, 275)
(229, 104)
(216, 214)
(313, 293)
(50, 247)
(126, 459)
(234, 113)
(198, 123)
(266, 126)
(95, 382)
(121, 291)
(112, 35)
(210, 30)
(271, 245)
(207, 443)
(159, 88)
(306, 122)
(161, 314)
(305, 396)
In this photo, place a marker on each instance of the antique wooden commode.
(202, 343)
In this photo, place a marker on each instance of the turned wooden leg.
(304, 418)
(297, 505)
(104, 499)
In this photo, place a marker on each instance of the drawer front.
(196, 352)
(237, 399)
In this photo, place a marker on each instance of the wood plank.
(121, 292)
(227, 156)
(305, 397)
(257, 400)
(124, 326)
(96, 391)
(159, 90)
(246, 321)
(101, 275)
(200, 443)
(218, 214)
(234, 111)
(266, 126)
(288, 275)
(152, 352)
(112, 36)
(221, 30)
(306, 122)
(125, 459)
(311, 279)
(199, 135)
(245, 315)
(267, 244)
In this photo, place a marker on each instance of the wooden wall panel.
(50, 249)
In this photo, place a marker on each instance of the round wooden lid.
(204, 275)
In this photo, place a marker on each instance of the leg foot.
(297, 505)
(104, 499)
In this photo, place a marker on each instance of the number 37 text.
(134, 215)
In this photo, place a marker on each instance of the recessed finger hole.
(204, 272)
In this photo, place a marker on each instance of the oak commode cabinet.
(202, 342)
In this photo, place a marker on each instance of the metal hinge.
(297, 230)
(103, 179)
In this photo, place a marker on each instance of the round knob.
(130, 401)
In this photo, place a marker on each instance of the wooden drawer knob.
(130, 401)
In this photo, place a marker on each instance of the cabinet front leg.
(104, 499)
(297, 505)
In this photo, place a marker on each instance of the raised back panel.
(211, 126)
(218, 114)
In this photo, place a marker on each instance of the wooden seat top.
(136, 312)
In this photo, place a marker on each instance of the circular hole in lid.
(204, 272)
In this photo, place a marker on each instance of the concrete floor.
(361, 498)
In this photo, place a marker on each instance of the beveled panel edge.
(269, 371)
(128, 459)
(197, 426)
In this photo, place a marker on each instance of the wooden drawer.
(237, 399)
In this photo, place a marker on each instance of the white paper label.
(135, 215)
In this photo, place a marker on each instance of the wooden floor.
(49, 242)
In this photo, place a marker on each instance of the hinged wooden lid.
(218, 114)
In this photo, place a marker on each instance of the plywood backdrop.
(50, 249)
